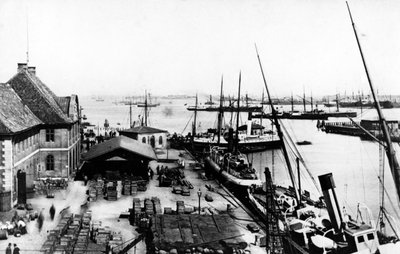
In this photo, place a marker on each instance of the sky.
(123, 47)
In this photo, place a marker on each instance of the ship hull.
(238, 182)
(244, 146)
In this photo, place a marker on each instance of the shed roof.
(14, 115)
(143, 130)
(128, 144)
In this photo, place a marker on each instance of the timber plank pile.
(183, 232)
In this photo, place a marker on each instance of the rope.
(294, 150)
(187, 124)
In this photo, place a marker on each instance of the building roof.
(14, 115)
(64, 103)
(143, 130)
(38, 97)
(128, 144)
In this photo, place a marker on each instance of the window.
(360, 239)
(144, 140)
(370, 236)
(49, 135)
(160, 140)
(50, 162)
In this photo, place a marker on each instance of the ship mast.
(194, 121)
(280, 134)
(390, 153)
(237, 118)
(220, 113)
(145, 108)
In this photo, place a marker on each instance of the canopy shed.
(119, 156)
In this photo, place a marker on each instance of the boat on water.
(252, 138)
(209, 102)
(226, 108)
(303, 143)
(232, 166)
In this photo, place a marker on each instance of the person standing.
(16, 249)
(8, 249)
(52, 211)
(40, 221)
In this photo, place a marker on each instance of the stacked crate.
(119, 189)
(116, 243)
(141, 186)
(103, 236)
(135, 212)
(100, 189)
(111, 191)
(185, 191)
(180, 207)
(156, 205)
(134, 188)
(148, 207)
(126, 187)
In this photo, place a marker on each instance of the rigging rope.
(297, 153)
(187, 124)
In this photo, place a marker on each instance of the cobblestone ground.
(108, 211)
(31, 242)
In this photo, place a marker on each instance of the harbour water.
(353, 162)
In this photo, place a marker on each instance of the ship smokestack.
(328, 189)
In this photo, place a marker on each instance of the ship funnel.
(230, 140)
(328, 189)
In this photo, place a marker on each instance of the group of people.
(9, 249)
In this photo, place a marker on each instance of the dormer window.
(49, 135)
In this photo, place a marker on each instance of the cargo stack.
(135, 212)
(156, 205)
(103, 236)
(56, 241)
(134, 188)
(180, 207)
(126, 187)
(100, 189)
(185, 191)
(148, 207)
(116, 243)
(142, 186)
(111, 192)
(119, 189)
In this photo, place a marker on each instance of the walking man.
(8, 249)
(16, 249)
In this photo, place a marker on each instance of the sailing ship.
(229, 163)
(316, 227)
(147, 102)
(252, 137)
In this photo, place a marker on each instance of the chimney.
(22, 66)
(32, 70)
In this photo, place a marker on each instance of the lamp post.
(199, 195)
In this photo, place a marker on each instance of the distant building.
(155, 137)
(39, 133)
